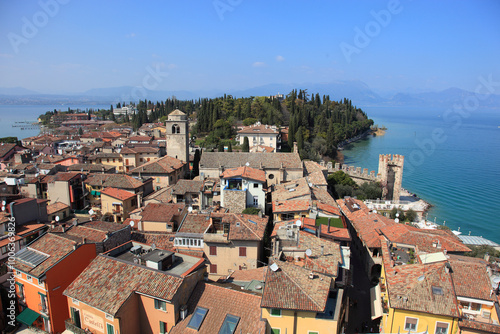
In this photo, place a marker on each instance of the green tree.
(220, 147)
(196, 162)
(411, 215)
(246, 146)
(230, 147)
(397, 213)
(249, 121)
(80, 131)
(251, 211)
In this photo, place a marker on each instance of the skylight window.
(436, 290)
(229, 324)
(197, 318)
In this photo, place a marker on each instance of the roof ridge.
(246, 225)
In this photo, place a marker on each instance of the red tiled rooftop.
(245, 172)
(118, 193)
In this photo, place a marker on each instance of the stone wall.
(235, 200)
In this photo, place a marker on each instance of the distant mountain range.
(357, 91)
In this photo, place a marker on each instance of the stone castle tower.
(178, 136)
(390, 170)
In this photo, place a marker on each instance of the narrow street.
(359, 296)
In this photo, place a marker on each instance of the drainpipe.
(295, 322)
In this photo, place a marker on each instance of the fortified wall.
(390, 174)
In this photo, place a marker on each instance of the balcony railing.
(74, 329)
(43, 308)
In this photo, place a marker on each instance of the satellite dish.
(190, 209)
(274, 267)
(397, 214)
(3, 208)
(247, 164)
(132, 223)
(374, 211)
(153, 246)
(91, 212)
(57, 218)
(396, 220)
(3, 203)
(308, 252)
(421, 278)
(298, 223)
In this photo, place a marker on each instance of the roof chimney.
(329, 224)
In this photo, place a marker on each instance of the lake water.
(454, 166)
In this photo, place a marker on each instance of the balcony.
(70, 326)
(216, 237)
(43, 308)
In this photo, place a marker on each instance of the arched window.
(176, 128)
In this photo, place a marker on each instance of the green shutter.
(110, 329)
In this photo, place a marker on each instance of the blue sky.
(238, 44)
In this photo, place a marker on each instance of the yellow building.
(118, 202)
(108, 159)
(295, 300)
(133, 157)
(290, 209)
(415, 297)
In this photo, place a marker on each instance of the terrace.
(402, 255)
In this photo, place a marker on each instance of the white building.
(260, 134)
(242, 188)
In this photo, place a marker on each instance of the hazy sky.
(58, 46)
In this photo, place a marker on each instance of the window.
(411, 324)
(110, 329)
(271, 176)
(213, 250)
(29, 278)
(275, 312)
(213, 269)
(256, 201)
(275, 331)
(109, 317)
(229, 324)
(436, 290)
(441, 328)
(255, 185)
(197, 318)
(243, 251)
(163, 327)
(160, 305)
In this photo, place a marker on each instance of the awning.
(376, 302)
(27, 317)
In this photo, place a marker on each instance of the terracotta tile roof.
(477, 326)
(291, 288)
(335, 232)
(470, 278)
(120, 194)
(5, 148)
(352, 207)
(221, 301)
(256, 129)
(238, 159)
(120, 181)
(425, 240)
(107, 283)
(195, 223)
(163, 165)
(56, 207)
(161, 212)
(94, 231)
(291, 206)
(410, 287)
(331, 209)
(187, 186)
(139, 149)
(313, 167)
(251, 227)
(51, 244)
(102, 155)
(246, 173)
(317, 178)
(320, 195)
(248, 275)
(90, 168)
(296, 189)
(164, 195)
(140, 138)
(163, 240)
(328, 263)
(61, 176)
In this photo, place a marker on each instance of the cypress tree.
(246, 146)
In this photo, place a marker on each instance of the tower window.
(176, 128)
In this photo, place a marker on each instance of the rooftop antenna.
(274, 267)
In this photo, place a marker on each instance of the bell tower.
(178, 136)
